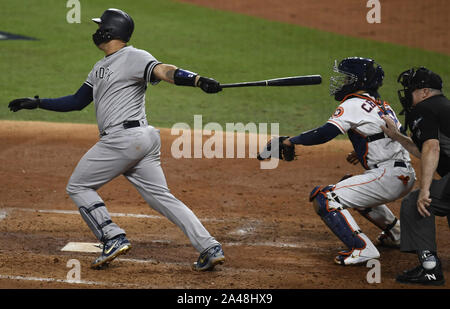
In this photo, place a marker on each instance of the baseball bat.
(283, 81)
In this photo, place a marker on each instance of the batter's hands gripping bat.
(283, 81)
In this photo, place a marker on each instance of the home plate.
(82, 247)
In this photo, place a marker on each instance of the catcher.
(388, 176)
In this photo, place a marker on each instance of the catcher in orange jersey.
(388, 176)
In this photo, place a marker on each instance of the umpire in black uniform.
(427, 115)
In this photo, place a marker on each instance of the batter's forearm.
(78, 101)
(180, 77)
(169, 73)
(166, 72)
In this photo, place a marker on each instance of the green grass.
(226, 46)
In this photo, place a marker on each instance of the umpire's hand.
(209, 85)
(352, 158)
(24, 103)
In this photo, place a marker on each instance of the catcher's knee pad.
(320, 200)
(96, 217)
(338, 219)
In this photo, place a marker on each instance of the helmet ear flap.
(108, 35)
(102, 36)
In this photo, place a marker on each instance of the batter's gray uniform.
(119, 82)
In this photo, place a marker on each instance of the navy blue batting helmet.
(114, 24)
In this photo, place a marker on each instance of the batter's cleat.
(390, 238)
(357, 256)
(209, 258)
(112, 249)
(420, 275)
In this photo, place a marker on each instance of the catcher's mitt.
(285, 152)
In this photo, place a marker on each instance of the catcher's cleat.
(390, 238)
(357, 256)
(209, 258)
(420, 275)
(112, 249)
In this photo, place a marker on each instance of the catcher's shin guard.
(338, 219)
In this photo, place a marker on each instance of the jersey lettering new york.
(103, 73)
(119, 82)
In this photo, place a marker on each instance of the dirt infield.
(271, 236)
(421, 24)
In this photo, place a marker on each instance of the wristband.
(184, 78)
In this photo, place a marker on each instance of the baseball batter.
(389, 174)
(128, 145)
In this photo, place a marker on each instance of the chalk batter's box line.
(245, 230)
(5, 211)
(80, 282)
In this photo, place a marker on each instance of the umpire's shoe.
(209, 258)
(112, 249)
(420, 275)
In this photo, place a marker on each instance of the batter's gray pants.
(134, 153)
(419, 233)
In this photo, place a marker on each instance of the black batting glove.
(209, 85)
(24, 103)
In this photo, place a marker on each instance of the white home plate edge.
(82, 247)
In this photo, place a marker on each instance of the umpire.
(427, 114)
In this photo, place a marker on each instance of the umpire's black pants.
(419, 233)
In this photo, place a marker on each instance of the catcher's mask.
(353, 74)
(113, 24)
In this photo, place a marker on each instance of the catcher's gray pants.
(135, 153)
(419, 233)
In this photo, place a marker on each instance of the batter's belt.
(128, 124)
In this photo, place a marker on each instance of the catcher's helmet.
(354, 74)
(114, 24)
(413, 79)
